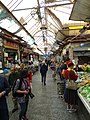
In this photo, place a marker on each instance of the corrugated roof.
(45, 20)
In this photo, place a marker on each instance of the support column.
(71, 53)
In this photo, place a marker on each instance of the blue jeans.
(43, 78)
(64, 87)
(23, 111)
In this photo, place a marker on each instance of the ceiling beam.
(46, 5)
(5, 8)
(54, 4)
(24, 9)
(55, 17)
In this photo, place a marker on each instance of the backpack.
(15, 94)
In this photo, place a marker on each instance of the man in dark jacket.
(43, 71)
(12, 78)
(4, 90)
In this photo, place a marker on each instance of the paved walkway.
(46, 105)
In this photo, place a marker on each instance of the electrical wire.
(10, 2)
(32, 26)
(53, 25)
(27, 16)
(32, 29)
(51, 29)
(52, 40)
(14, 3)
(36, 29)
(29, 20)
(18, 4)
(55, 22)
(37, 40)
(62, 11)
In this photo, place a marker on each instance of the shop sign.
(9, 58)
(9, 44)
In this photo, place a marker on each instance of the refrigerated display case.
(83, 106)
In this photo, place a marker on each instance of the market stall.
(84, 95)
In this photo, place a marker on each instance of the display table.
(84, 107)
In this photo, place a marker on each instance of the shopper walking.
(53, 67)
(4, 90)
(21, 67)
(12, 78)
(43, 71)
(22, 90)
(59, 71)
(30, 72)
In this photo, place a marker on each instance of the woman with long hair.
(22, 90)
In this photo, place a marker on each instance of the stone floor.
(46, 104)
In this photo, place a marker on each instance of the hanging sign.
(10, 44)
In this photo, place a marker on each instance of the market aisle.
(46, 105)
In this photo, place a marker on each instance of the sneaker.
(74, 110)
(68, 107)
(70, 111)
(44, 83)
(14, 110)
(24, 118)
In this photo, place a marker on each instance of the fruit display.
(84, 84)
(83, 79)
(88, 97)
(84, 95)
(85, 91)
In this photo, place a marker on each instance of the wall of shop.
(11, 53)
(77, 53)
(82, 53)
(25, 55)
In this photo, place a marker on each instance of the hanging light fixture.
(43, 27)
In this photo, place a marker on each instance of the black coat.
(4, 86)
(43, 69)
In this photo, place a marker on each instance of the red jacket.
(71, 74)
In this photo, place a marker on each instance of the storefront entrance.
(11, 58)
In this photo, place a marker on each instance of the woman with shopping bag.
(71, 87)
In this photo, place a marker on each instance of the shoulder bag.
(71, 84)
